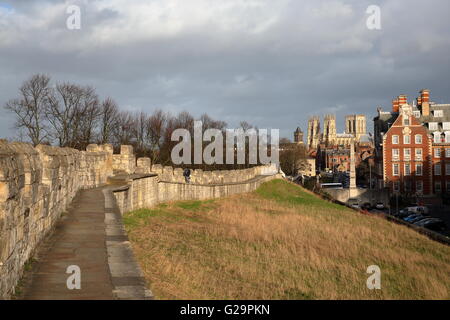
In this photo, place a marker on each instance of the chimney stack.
(395, 106)
(425, 97)
(402, 99)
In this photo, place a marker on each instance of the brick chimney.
(402, 99)
(395, 106)
(425, 97)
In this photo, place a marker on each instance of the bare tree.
(108, 120)
(62, 112)
(30, 108)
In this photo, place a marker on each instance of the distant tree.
(109, 112)
(293, 158)
(29, 109)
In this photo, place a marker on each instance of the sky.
(272, 63)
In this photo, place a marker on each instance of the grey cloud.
(316, 57)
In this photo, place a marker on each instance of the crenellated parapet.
(36, 186)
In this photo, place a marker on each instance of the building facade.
(412, 144)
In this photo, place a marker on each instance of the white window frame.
(407, 154)
(446, 125)
(395, 154)
(416, 114)
(419, 154)
(419, 173)
(406, 121)
(418, 139)
(433, 126)
(394, 138)
(407, 172)
(437, 153)
(406, 139)
(436, 171)
(438, 113)
(396, 165)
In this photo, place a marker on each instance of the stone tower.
(356, 125)
(298, 136)
(313, 132)
(329, 129)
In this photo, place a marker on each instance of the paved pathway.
(90, 235)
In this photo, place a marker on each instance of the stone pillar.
(353, 189)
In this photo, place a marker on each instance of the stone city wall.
(36, 186)
(165, 184)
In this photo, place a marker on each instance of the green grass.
(286, 193)
(281, 242)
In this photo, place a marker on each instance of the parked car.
(417, 219)
(354, 203)
(379, 206)
(412, 217)
(418, 209)
(366, 206)
(432, 224)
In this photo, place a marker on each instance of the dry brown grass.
(253, 247)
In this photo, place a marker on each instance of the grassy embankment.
(282, 242)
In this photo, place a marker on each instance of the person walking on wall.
(187, 175)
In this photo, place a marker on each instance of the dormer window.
(433, 126)
(438, 113)
(406, 121)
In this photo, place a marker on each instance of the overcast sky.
(272, 63)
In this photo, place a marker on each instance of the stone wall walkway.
(91, 236)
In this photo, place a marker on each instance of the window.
(447, 186)
(447, 153)
(419, 186)
(447, 137)
(395, 140)
(437, 153)
(395, 154)
(446, 125)
(407, 169)
(407, 139)
(419, 169)
(437, 137)
(433, 126)
(419, 154)
(406, 121)
(447, 169)
(438, 113)
(407, 154)
(437, 186)
(397, 186)
(418, 139)
(437, 169)
(407, 186)
(417, 114)
(395, 169)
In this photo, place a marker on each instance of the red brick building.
(406, 160)
(412, 144)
